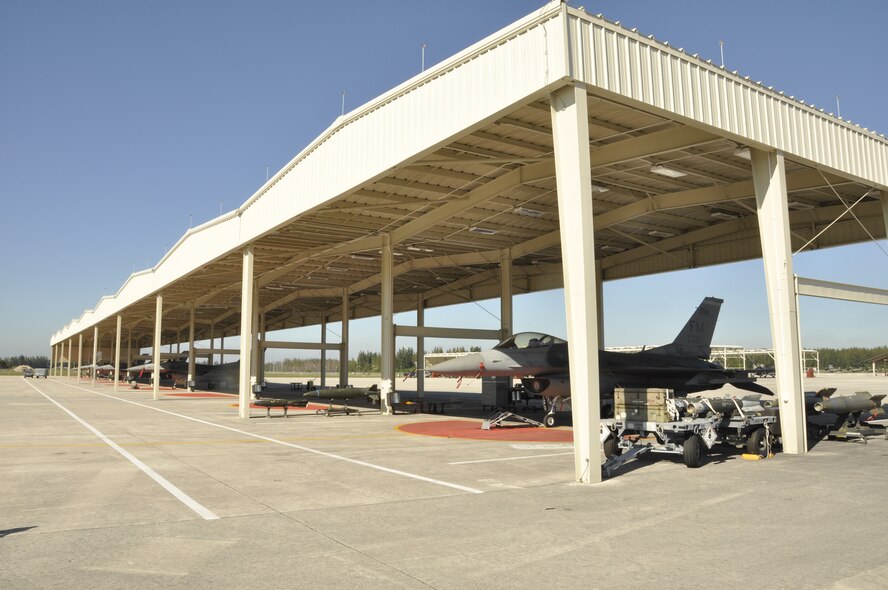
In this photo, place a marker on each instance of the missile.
(722, 405)
(342, 393)
(812, 397)
(859, 402)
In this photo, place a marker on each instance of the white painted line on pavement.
(510, 458)
(299, 447)
(202, 511)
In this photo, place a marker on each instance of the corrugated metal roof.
(469, 144)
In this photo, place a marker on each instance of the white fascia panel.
(622, 64)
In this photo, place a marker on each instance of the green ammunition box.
(641, 404)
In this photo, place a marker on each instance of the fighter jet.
(541, 362)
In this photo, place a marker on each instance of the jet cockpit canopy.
(529, 340)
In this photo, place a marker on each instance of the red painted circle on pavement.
(472, 430)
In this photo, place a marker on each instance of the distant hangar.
(561, 151)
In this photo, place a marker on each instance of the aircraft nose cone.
(468, 365)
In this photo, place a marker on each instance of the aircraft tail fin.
(695, 338)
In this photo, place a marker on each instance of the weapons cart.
(655, 421)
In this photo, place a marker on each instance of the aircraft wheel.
(611, 448)
(757, 443)
(549, 420)
(692, 451)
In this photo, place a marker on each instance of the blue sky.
(122, 122)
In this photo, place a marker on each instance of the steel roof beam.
(706, 196)
(823, 214)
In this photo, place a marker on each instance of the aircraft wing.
(751, 386)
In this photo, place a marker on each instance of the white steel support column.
(324, 350)
(129, 348)
(261, 351)
(386, 352)
(52, 351)
(246, 338)
(505, 293)
(570, 125)
(190, 345)
(599, 297)
(156, 346)
(92, 371)
(117, 352)
(222, 347)
(255, 352)
(343, 350)
(212, 342)
(70, 355)
(769, 179)
(420, 349)
(79, 354)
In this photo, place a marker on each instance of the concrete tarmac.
(191, 496)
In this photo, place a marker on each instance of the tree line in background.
(849, 358)
(365, 362)
(36, 362)
(405, 360)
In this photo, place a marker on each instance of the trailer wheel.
(692, 451)
(611, 448)
(757, 443)
(549, 421)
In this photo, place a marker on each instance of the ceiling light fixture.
(597, 188)
(723, 215)
(482, 230)
(800, 205)
(668, 172)
(660, 234)
(609, 248)
(362, 257)
(419, 249)
(528, 212)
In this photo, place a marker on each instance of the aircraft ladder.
(500, 415)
